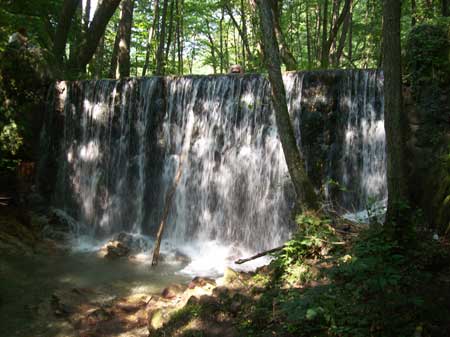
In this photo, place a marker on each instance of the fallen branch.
(168, 204)
(273, 250)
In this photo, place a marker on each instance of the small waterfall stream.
(122, 142)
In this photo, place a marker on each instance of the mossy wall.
(427, 103)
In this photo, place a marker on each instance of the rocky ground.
(89, 312)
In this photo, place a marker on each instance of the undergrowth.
(374, 287)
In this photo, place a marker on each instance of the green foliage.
(427, 53)
(312, 240)
(378, 288)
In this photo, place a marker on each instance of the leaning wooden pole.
(167, 206)
(254, 257)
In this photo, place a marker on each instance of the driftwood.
(273, 250)
(167, 206)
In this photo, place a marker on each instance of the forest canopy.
(189, 36)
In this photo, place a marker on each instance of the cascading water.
(123, 142)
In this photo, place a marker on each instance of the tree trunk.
(324, 49)
(114, 55)
(162, 37)
(96, 30)
(151, 33)
(212, 47)
(413, 12)
(222, 15)
(350, 37)
(326, 43)
(169, 35)
(341, 45)
(294, 160)
(86, 15)
(308, 37)
(63, 28)
(243, 36)
(285, 53)
(123, 39)
(394, 120)
(98, 66)
(445, 8)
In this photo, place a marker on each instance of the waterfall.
(123, 141)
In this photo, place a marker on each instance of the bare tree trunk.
(162, 37)
(294, 160)
(350, 37)
(151, 33)
(86, 15)
(285, 53)
(341, 45)
(169, 35)
(212, 47)
(126, 22)
(63, 28)
(222, 15)
(413, 12)
(394, 119)
(244, 37)
(115, 52)
(326, 43)
(96, 30)
(323, 49)
(308, 36)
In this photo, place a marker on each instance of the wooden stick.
(168, 204)
(273, 250)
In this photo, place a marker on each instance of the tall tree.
(285, 53)
(62, 28)
(328, 40)
(120, 63)
(394, 120)
(294, 160)
(92, 37)
(162, 38)
(151, 34)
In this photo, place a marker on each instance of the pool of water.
(28, 282)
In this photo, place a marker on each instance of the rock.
(61, 221)
(66, 302)
(193, 300)
(221, 292)
(202, 282)
(230, 276)
(155, 320)
(172, 291)
(135, 243)
(116, 249)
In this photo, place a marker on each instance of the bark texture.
(395, 121)
(294, 160)
(63, 28)
(95, 32)
(120, 64)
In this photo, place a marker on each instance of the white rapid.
(123, 141)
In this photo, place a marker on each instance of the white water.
(123, 142)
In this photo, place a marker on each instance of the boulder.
(230, 276)
(172, 291)
(155, 320)
(61, 221)
(202, 282)
(116, 249)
